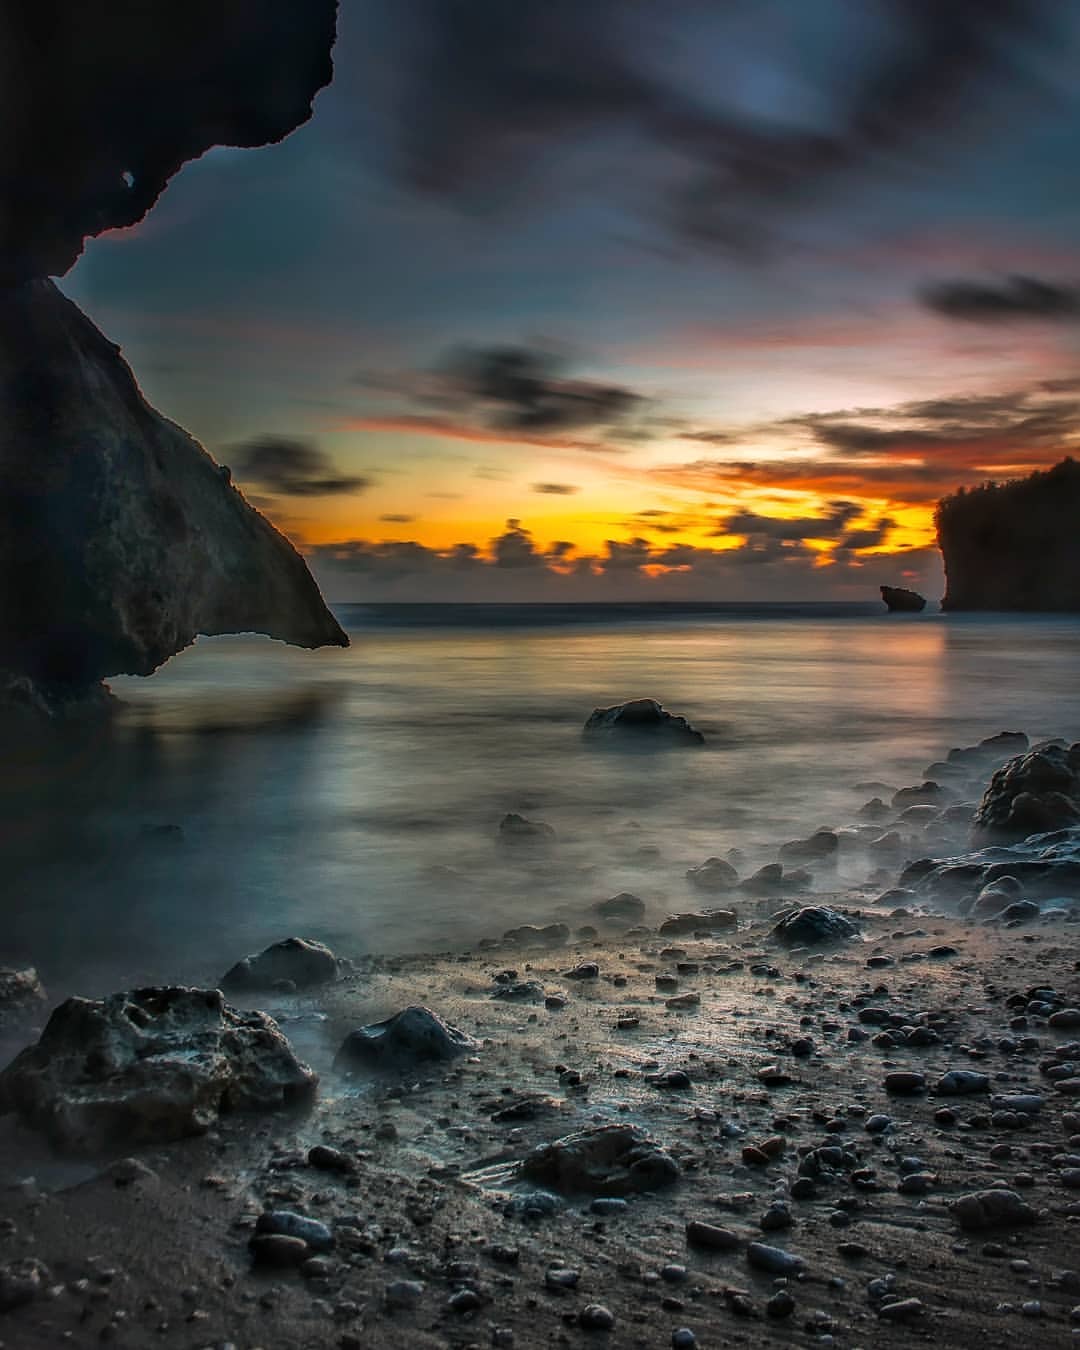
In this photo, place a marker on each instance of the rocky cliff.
(1015, 545)
(120, 538)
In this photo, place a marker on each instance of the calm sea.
(355, 796)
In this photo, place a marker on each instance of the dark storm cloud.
(291, 467)
(555, 489)
(395, 518)
(488, 92)
(526, 389)
(1017, 298)
(830, 526)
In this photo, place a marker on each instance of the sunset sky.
(609, 299)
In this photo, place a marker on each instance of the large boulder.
(149, 1065)
(607, 1160)
(813, 924)
(714, 874)
(1032, 794)
(642, 721)
(296, 961)
(414, 1035)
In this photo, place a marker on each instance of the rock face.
(903, 601)
(120, 538)
(1031, 794)
(642, 721)
(297, 961)
(110, 100)
(1014, 546)
(413, 1035)
(149, 1065)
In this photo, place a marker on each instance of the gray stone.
(813, 924)
(642, 721)
(414, 1035)
(302, 961)
(605, 1160)
(774, 1260)
(149, 1065)
(991, 1209)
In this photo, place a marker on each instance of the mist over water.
(355, 796)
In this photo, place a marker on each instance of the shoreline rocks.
(149, 1065)
(414, 1035)
(299, 962)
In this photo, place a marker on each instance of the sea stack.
(1014, 545)
(902, 601)
(120, 538)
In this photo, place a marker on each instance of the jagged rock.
(1013, 546)
(714, 874)
(621, 906)
(812, 924)
(414, 1035)
(705, 921)
(1031, 794)
(607, 1160)
(21, 995)
(123, 95)
(149, 1065)
(120, 538)
(1044, 866)
(991, 1209)
(300, 961)
(902, 600)
(641, 720)
(519, 991)
(516, 831)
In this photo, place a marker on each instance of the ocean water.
(248, 791)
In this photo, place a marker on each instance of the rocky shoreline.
(852, 1119)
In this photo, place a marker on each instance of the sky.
(628, 299)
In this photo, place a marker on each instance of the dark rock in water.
(21, 995)
(607, 1160)
(991, 1209)
(301, 961)
(120, 539)
(621, 906)
(642, 720)
(1031, 794)
(714, 874)
(812, 924)
(903, 601)
(1015, 545)
(149, 1065)
(414, 1035)
(984, 882)
(709, 920)
(820, 845)
(528, 935)
(516, 831)
(925, 794)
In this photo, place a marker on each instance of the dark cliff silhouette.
(1014, 545)
(120, 538)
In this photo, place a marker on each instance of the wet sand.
(433, 1200)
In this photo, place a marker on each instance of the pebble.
(683, 1339)
(329, 1159)
(701, 1234)
(595, 1317)
(283, 1221)
(278, 1249)
(877, 1124)
(905, 1082)
(403, 1293)
(903, 1310)
(773, 1259)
